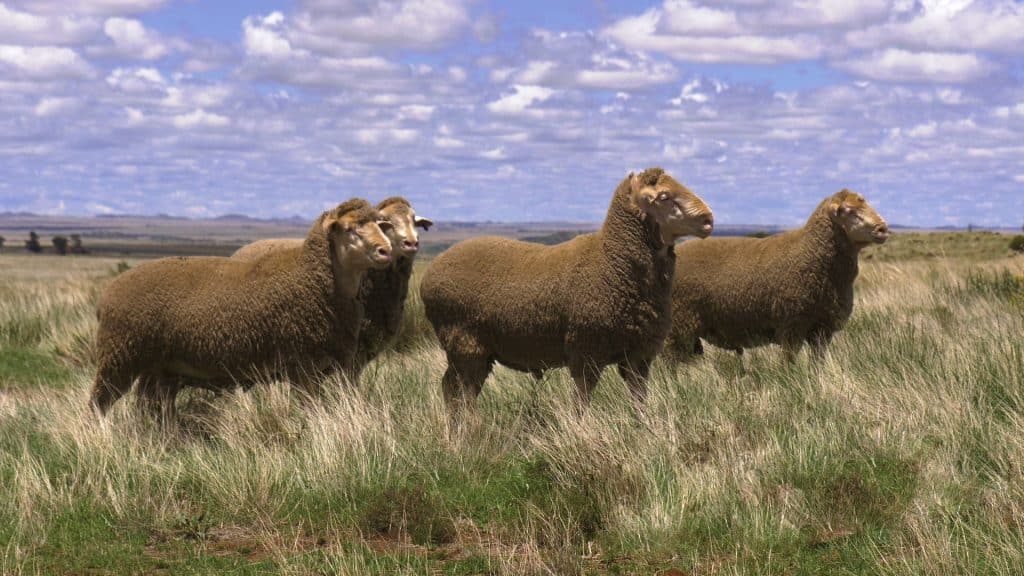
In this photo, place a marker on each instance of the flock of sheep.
(301, 309)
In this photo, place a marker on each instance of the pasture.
(902, 452)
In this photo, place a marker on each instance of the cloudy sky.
(514, 110)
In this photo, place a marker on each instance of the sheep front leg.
(464, 379)
(635, 374)
(157, 396)
(820, 339)
(112, 382)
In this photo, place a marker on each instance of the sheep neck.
(634, 241)
(832, 247)
(383, 294)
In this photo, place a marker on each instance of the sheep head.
(404, 221)
(358, 235)
(861, 223)
(677, 211)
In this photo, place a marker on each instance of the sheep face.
(360, 243)
(403, 234)
(862, 224)
(678, 211)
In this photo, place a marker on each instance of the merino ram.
(598, 299)
(788, 289)
(214, 322)
(383, 292)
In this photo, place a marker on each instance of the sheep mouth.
(879, 237)
(380, 261)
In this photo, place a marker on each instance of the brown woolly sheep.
(786, 289)
(213, 322)
(382, 292)
(598, 299)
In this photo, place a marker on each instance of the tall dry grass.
(900, 452)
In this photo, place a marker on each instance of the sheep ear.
(422, 222)
(385, 225)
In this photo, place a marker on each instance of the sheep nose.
(709, 224)
(882, 229)
(411, 245)
(384, 253)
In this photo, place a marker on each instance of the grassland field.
(901, 452)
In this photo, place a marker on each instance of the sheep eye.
(663, 196)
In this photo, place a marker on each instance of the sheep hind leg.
(112, 382)
(585, 374)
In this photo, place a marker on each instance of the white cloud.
(923, 130)
(536, 72)
(382, 135)
(683, 17)
(457, 73)
(898, 65)
(132, 39)
(17, 27)
(136, 80)
(518, 101)
(994, 26)
(494, 153)
(262, 37)
(342, 27)
(54, 106)
(448, 142)
(196, 96)
(92, 7)
(200, 118)
(647, 32)
(417, 112)
(44, 62)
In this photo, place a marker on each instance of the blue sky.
(512, 111)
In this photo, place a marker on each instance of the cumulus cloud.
(719, 41)
(520, 99)
(980, 25)
(133, 40)
(341, 27)
(91, 7)
(54, 106)
(44, 62)
(23, 27)
(897, 65)
(200, 118)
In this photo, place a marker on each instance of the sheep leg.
(791, 345)
(157, 396)
(635, 374)
(112, 382)
(819, 341)
(464, 379)
(585, 374)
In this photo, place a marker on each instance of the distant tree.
(759, 234)
(1017, 243)
(76, 245)
(32, 244)
(60, 244)
(970, 228)
(2, 240)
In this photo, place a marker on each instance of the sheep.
(382, 292)
(213, 322)
(786, 289)
(598, 299)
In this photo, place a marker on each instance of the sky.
(512, 111)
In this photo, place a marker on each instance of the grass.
(899, 453)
